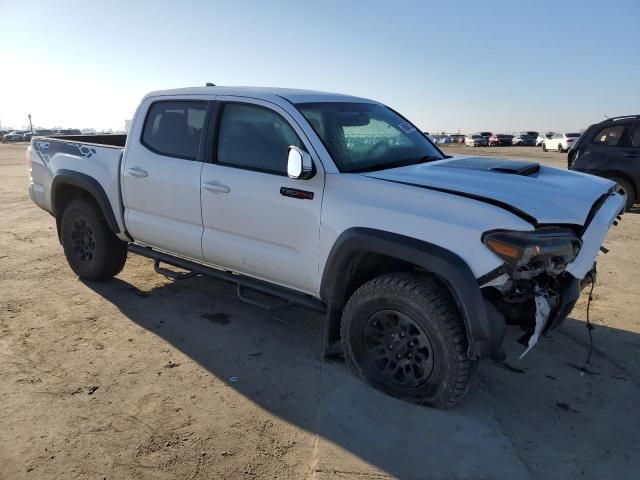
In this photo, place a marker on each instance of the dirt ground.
(141, 377)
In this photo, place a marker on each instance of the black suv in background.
(611, 149)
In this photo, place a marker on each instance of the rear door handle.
(137, 172)
(216, 187)
(630, 155)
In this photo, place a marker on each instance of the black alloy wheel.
(84, 241)
(400, 350)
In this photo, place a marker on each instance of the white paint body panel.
(449, 221)
(162, 209)
(253, 229)
(103, 166)
(551, 196)
(595, 235)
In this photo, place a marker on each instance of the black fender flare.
(484, 329)
(91, 186)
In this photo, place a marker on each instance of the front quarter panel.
(448, 221)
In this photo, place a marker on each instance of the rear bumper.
(38, 195)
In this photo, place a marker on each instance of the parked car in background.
(475, 140)
(15, 136)
(43, 131)
(523, 139)
(486, 135)
(430, 137)
(561, 142)
(443, 139)
(500, 140)
(531, 133)
(542, 137)
(39, 132)
(2, 134)
(611, 149)
(457, 138)
(68, 131)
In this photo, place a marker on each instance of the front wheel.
(560, 149)
(92, 249)
(544, 147)
(403, 334)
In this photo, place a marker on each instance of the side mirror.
(299, 164)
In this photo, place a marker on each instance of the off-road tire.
(92, 249)
(427, 303)
(629, 190)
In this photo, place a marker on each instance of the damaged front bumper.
(539, 296)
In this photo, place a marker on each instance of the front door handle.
(137, 172)
(630, 155)
(216, 187)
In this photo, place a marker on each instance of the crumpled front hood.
(548, 195)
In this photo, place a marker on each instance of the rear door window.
(609, 136)
(174, 129)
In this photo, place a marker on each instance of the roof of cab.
(266, 93)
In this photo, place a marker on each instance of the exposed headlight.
(549, 246)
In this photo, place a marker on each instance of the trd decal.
(47, 149)
(295, 193)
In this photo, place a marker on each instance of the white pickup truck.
(340, 204)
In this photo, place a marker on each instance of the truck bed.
(92, 161)
(103, 140)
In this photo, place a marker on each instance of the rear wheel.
(560, 149)
(544, 147)
(403, 334)
(628, 190)
(92, 249)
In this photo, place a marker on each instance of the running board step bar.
(277, 307)
(170, 274)
(241, 281)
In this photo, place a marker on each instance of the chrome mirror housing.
(299, 164)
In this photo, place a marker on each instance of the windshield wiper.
(399, 163)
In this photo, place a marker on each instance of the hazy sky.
(477, 65)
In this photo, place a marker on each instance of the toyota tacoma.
(337, 203)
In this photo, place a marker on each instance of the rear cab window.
(174, 128)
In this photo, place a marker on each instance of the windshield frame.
(369, 168)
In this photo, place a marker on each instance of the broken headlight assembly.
(547, 249)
